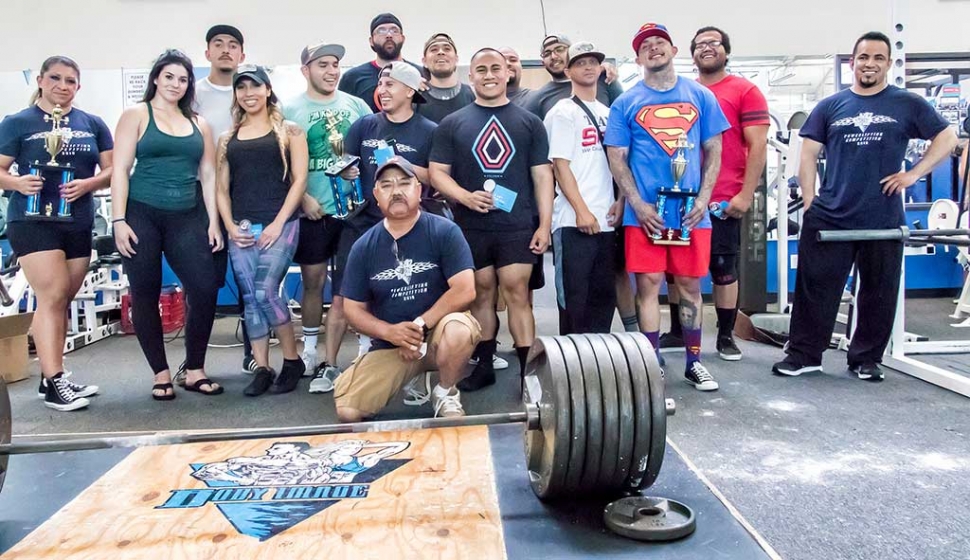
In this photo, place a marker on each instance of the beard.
(866, 82)
(442, 74)
(712, 68)
(388, 50)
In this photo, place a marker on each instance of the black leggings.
(181, 236)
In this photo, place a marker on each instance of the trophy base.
(352, 213)
(46, 218)
(670, 237)
(337, 168)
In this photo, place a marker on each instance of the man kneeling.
(407, 284)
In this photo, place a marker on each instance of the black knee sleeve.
(724, 269)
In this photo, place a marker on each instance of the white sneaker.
(498, 362)
(448, 405)
(698, 376)
(310, 361)
(418, 391)
(323, 381)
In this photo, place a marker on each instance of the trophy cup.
(346, 207)
(678, 234)
(54, 173)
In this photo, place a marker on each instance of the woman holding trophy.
(155, 212)
(262, 175)
(63, 155)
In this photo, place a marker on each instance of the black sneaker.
(792, 368)
(60, 396)
(289, 376)
(671, 341)
(80, 390)
(262, 379)
(698, 376)
(482, 376)
(868, 372)
(249, 365)
(727, 349)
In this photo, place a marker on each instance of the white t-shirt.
(214, 103)
(573, 137)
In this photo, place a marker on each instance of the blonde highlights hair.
(276, 120)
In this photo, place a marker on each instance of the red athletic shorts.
(646, 257)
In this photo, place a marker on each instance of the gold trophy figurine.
(677, 234)
(54, 142)
(345, 208)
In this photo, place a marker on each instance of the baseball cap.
(439, 38)
(554, 39)
(223, 29)
(581, 49)
(396, 161)
(313, 52)
(253, 72)
(381, 19)
(650, 30)
(407, 75)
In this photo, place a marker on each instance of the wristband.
(116, 220)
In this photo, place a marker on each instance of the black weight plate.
(649, 519)
(6, 428)
(611, 412)
(627, 423)
(577, 393)
(658, 413)
(547, 449)
(641, 408)
(594, 411)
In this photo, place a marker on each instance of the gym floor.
(820, 466)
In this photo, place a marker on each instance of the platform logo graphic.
(667, 122)
(863, 121)
(265, 495)
(493, 149)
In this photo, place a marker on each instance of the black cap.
(255, 73)
(396, 161)
(223, 29)
(381, 19)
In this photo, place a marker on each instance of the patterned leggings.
(258, 274)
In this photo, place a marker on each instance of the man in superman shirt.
(641, 137)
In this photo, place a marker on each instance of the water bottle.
(718, 209)
(244, 226)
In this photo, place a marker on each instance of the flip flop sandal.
(163, 387)
(194, 388)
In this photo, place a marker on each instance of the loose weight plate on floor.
(649, 519)
(577, 394)
(624, 391)
(641, 409)
(611, 411)
(594, 411)
(6, 428)
(547, 449)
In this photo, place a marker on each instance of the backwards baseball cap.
(381, 19)
(407, 75)
(253, 72)
(581, 49)
(313, 52)
(555, 39)
(439, 38)
(650, 30)
(396, 161)
(223, 29)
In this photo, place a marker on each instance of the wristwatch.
(424, 327)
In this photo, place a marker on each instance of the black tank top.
(256, 183)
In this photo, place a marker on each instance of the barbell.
(957, 237)
(595, 417)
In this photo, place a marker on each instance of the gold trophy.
(346, 208)
(676, 233)
(54, 142)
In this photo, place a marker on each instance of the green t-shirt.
(315, 118)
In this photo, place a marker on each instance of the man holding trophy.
(655, 136)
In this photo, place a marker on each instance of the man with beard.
(386, 40)
(744, 148)
(554, 51)
(864, 130)
(516, 94)
(445, 94)
(491, 159)
(321, 111)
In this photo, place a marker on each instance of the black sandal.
(194, 388)
(163, 387)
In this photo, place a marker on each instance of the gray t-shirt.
(214, 103)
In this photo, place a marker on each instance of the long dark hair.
(46, 66)
(275, 118)
(173, 56)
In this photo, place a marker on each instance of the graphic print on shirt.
(863, 121)
(318, 136)
(405, 271)
(666, 122)
(493, 148)
(71, 146)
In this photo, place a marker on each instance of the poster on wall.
(134, 83)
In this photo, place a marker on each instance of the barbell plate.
(658, 413)
(594, 411)
(649, 519)
(641, 407)
(547, 449)
(611, 412)
(625, 427)
(6, 427)
(577, 435)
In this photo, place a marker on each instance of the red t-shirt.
(743, 105)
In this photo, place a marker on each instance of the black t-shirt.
(361, 81)
(499, 143)
(400, 280)
(410, 140)
(257, 183)
(542, 100)
(437, 109)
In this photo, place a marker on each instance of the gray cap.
(407, 75)
(313, 52)
(396, 161)
(581, 49)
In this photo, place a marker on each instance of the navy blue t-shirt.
(410, 140)
(401, 280)
(865, 140)
(21, 137)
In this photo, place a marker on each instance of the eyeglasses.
(705, 44)
(390, 185)
(388, 31)
(561, 49)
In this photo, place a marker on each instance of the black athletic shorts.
(349, 234)
(619, 248)
(34, 236)
(318, 240)
(500, 248)
(725, 236)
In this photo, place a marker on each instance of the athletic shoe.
(324, 378)
(289, 377)
(60, 396)
(868, 372)
(670, 341)
(698, 376)
(790, 367)
(418, 391)
(498, 362)
(262, 379)
(310, 362)
(482, 376)
(249, 365)
(448, 406)
(727, 349)
(80, 390)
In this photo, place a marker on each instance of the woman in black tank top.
(261, 178)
